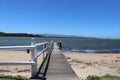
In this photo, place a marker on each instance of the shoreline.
(93, 50)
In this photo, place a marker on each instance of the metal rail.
(47, 46)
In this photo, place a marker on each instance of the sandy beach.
(85, 64)
(23, 70)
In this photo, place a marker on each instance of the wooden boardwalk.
(56, 67)
(59, 69)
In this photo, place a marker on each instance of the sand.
(85, 64)
(12, 56)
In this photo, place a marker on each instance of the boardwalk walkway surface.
(58, 67)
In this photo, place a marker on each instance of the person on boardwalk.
(60, 45)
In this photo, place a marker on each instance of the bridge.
(54, 65)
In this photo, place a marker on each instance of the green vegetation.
(19, 35)
(106, 77)
(9, 77)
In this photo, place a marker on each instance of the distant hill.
(2, 34)
(61, 36)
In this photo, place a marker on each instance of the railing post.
(47, 47)
(51, 44)
(44, 46)
(34, 59)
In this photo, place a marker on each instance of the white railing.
(35, 53)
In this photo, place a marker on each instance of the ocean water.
(68, 44)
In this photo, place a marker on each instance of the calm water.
(88, 44)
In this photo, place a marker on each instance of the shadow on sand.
(41, 74)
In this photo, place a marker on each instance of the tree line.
(2, 34)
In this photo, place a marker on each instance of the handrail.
(18, 63)
(17, 47)
(47, 46)
(37, 44)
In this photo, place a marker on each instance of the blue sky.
(91, 18)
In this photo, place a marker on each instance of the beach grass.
(9, 77)
(105, 77)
